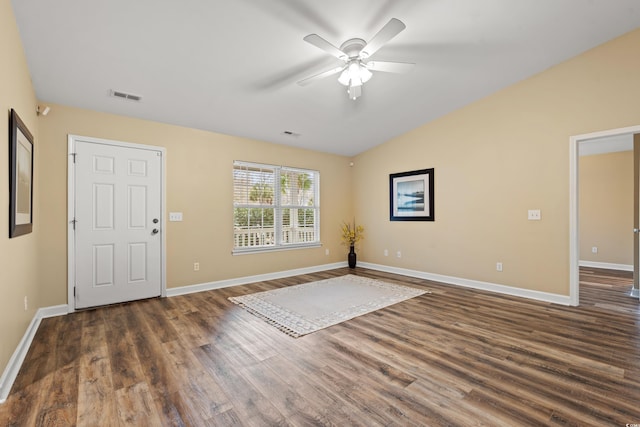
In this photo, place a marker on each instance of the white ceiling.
(231, 66)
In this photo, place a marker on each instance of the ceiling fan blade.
(321, 43)
(389, 31)
(322, 75)
(389, 67)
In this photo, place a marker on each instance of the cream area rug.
(302, 309)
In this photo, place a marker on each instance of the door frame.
(71, 195)
(574, 238)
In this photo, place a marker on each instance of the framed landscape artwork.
(20, 177)
(411, 196)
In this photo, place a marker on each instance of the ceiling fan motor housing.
(353, 47)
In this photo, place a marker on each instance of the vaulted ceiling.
(232, 66)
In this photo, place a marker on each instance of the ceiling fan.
(355, 53)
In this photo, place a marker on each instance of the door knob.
(155, 220)
(636, 230)
(155, 231)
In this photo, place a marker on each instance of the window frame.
(279, 207)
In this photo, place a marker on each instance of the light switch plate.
(175, 216)
(534, 215)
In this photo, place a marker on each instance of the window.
(274, 207)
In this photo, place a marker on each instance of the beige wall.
(494, 160)
(199, 166)
(606, 207)
(19, 271)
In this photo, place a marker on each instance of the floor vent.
(124, 95)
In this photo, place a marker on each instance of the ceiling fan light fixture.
(354, 71)
(354, 52)
(355, 75)
(365, 74)
(344, 78)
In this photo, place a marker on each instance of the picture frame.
(20, 177)
(411, 195)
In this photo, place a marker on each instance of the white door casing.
(636, 215)
(116, 222)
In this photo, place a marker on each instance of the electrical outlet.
(594, 250)
(534, 215)
(386, 252)
(399, 254)
(498, 266)
(26, 303)
(326, 251)
(196, 266)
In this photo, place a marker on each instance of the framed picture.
(411, 196)
(20, 177)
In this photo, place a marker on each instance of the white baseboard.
(13, 367)
(183, 290)
(606, 265)
(474, 284)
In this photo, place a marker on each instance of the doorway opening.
(577, 143)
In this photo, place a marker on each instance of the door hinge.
(74, 157)
(73, 222)
(74, 291)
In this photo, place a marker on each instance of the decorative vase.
(352, 257)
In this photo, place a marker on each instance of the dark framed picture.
(411, 195)
(20, 177)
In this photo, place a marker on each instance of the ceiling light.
(344, 78)
(365, 74)
(354, 76)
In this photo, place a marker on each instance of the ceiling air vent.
(124, 95)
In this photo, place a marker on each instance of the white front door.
(117, 218)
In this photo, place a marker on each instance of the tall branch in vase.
(351, 235)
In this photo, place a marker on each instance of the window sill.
(275, 249)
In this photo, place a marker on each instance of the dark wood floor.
(452, 357)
